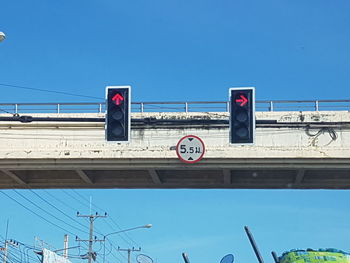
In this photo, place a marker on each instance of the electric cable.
(78, 222)
(330, 131)
(98, 231)
(110, 218)
(82, 197)
(109, 251)
(64, 191)
(49, 213)
(13, 256)
(18, 250)
(85, 199)
(126, 234)
(131, 242)
(48, 91)
(115, 256)
(38, 214)
(7, 112)
(65, 204)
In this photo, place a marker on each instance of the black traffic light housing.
(118, 104)
(242, 115)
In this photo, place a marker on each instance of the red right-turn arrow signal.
(243, 100)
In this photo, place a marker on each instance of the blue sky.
(207, 224)
(175, 50)
(183, 51)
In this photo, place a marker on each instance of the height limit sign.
(190, 149)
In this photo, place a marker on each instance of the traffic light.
(117, 124)
(242, 115)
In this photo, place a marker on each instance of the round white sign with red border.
(190, 149)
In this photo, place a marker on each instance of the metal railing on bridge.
(191, 106)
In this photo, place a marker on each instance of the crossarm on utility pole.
(91, 233)
(129, 250)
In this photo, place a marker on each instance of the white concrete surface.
(53, 140)
(81, 150)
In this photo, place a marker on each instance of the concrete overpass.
(293, 149)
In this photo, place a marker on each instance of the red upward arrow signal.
(243, 100)
(117, 98)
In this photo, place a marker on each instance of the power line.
(65, 204)
(74, 209)
(74, 198)
(26, 249)
(98, 231)
(111, 227)
(37, 214)
(126, 234)
(92, 218)
(114, 255)
(118, 226)
(48, 91)
(83, 198)
(6, 111)
(13, 199)
(58, 209)
(48, 212)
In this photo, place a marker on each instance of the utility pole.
(129, 250)
(5, 253)
(5, 249)
(65, 246)
(6, 242)
(91, 240)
